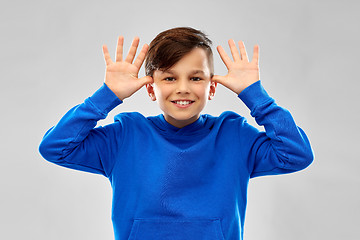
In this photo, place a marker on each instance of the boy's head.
(180, 61)
(169, 46)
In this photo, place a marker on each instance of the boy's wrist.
(254, 95)
(105, 99)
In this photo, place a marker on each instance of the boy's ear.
(213, 86)
(150, 90)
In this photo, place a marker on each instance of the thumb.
(146, 80)
(219, 79)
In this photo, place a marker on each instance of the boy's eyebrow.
(192, 72)
(168, 71)
(197, 71)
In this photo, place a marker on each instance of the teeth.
(183, 102)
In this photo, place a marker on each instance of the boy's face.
(183, 90)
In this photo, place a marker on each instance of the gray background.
(51, 60)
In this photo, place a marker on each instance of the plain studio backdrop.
(51, 60)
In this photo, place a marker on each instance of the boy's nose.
(182, 87)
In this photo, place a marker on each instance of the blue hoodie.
(178, 183)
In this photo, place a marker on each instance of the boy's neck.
(179, 123)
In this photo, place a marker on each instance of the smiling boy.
(182, 91)
(181, 174)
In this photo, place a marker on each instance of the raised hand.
(122, 75)
(241, 72)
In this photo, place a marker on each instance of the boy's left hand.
(241, 72)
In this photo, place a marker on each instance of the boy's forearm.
(76, 124)
(289, 142)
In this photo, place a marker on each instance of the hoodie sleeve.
(283, 147)
(74, 142)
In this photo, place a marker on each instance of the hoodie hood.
(201, 126)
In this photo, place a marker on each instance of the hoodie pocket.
(176, 229)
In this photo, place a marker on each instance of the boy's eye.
(196, 79)
(169, 79)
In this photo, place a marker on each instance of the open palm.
(241, 72)
(122, 75)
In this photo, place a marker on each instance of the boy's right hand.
(122, 75)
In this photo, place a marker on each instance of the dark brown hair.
(169, 46)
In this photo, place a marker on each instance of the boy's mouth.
(183, 103)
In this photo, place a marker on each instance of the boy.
(181, 174)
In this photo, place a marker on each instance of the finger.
(140, 58)
(243, 51)
(218, 79)
(119, 49)
(224, 57)
(106, 55)
(234, 50)
(255, 58)
(132, 51)
(146, 80)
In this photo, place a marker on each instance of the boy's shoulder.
(138, 120)
(226, 116)
(226, 119)
(131, 119)
(128, 116)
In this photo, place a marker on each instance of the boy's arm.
(74, 142)
(284, 147)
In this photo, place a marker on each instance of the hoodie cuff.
(254, 95)
(105, 99)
